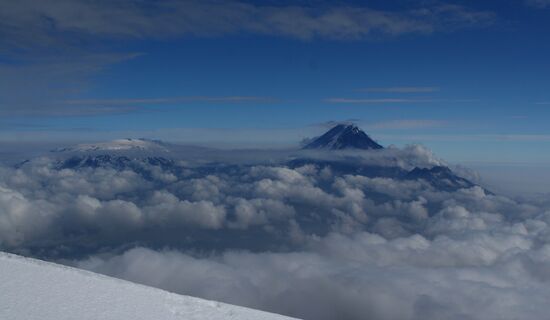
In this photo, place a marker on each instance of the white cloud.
(170, 100)
(307, 241)
(166, 209)
(474, 277)
(95, 204)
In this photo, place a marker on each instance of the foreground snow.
(34, 289)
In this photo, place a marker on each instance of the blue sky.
(468, 79)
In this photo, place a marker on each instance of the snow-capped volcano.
(119, 145)
(344, 136)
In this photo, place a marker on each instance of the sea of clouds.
(302, 241)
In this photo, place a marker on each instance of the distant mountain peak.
(344, 136)
(118, 145)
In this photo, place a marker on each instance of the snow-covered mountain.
(344, 136)
(151, 157)
(119, 145)
(119, 154)
(33, 289)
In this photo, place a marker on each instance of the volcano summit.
(344, 136)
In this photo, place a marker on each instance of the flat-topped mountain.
(118, 145)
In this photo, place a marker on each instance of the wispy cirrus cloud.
(380, 101)
(50, 49)
(401, 95)
(171, 100)
(399, 89)
(376, 101)
(90, 107)
(34, 86)
(408, 124)
(472, 137)
(541, 4)
(28, 23)
(398, 124)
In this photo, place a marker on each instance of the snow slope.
(34, 289)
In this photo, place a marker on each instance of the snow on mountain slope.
(34, 289)
(344, 136)
(118, 145)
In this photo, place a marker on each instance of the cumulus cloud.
(478, 276)
(318, 238)
(43, 200)
(95, 204)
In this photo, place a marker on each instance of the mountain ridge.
(146, 157)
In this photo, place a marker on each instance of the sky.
(468, 79)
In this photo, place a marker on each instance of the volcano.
(344, 136)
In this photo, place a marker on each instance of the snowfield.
(34, 289)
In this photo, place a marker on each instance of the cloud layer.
(159, 195)
(306, 240)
